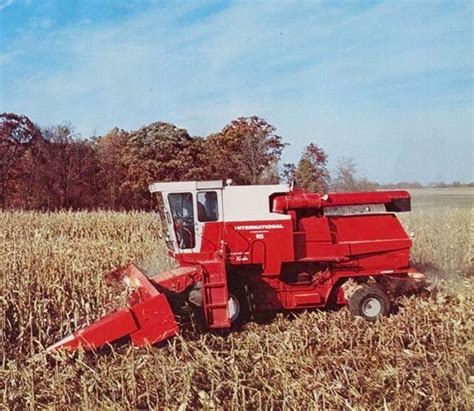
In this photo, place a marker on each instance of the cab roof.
(180, 186)
(186, 186)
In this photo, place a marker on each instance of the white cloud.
(330, 76)
(5, 3)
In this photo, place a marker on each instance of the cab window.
(207, 206)
(165, 220)
(182, 213)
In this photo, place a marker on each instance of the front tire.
(233, 308)
(238, 306)
(370, 303)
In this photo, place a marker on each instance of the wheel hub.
(233, 308)
(372, 307)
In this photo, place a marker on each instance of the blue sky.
(387, 83)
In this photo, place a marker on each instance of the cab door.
(183, 217)
(208, 220)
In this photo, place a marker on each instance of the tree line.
(54, 168)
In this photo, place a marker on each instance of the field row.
(52, 268)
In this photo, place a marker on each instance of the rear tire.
(370, 303)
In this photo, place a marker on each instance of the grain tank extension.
(242, 250)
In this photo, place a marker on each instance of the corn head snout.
(147, 319)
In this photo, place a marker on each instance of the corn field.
(52, 266)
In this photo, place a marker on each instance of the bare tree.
(348, 177)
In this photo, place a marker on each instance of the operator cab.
(184, 207)
(192, 212)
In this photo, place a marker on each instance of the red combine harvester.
(248, 249)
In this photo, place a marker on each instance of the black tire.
(238, 294)
(370, 303)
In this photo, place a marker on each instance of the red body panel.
(265, 243)
(320, 249)
(292, 262)
(147, 319)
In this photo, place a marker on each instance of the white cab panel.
(249, 203)
(238, 203)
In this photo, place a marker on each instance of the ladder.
(215, 293)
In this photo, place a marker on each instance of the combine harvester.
(248, 249)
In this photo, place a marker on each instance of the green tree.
(312, 173)
(246, 150)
